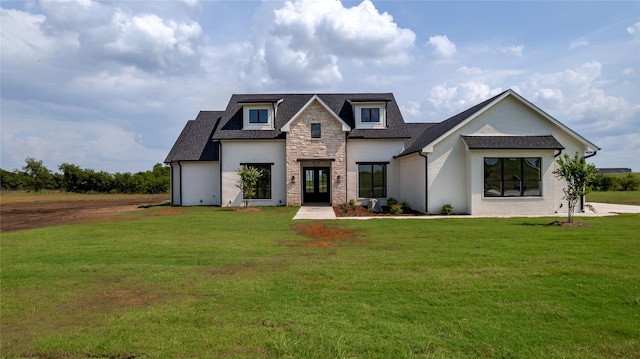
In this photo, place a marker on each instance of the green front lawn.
(209, 282)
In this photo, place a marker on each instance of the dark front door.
(316, 184)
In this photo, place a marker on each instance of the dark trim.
(373, 163)
(315, 159)
(257, 163)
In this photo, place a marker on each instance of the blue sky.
(110, 85)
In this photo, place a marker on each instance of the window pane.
(531, 188)
(531, 168)
(308, 184)
(364, 181)
(492, 169)
(492, 188)
(263, 186)
(365, 115)
(323, 177)
(375, 115)
(315, 130)
(258, 116)
(511, 169)
(511, 188)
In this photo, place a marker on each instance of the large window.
(370, 115)
(512, 177)
(258, 116)
(372, 180)
(263, 187)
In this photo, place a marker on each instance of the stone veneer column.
(331, 145)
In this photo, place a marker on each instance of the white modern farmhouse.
(494, 158)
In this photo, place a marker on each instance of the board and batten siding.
(236, 152)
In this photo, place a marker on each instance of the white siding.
(412, 181)
(200, 183)
(456, 174)
(373, 151)
(233, 153)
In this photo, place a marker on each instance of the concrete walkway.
(315, 212)
(602, 209)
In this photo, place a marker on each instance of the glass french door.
(316, 184)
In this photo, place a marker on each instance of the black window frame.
(317, 131)
(369, 117)
(260, 118)
(263, 187)
(512, 181)
(373, 189)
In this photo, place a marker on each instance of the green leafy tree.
(37, 174)
(629, 183)
(247, 183)
(579, 176)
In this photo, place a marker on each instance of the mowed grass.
(208, 282)
(616, 197)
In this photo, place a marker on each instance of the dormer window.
(258, 116)
(370, 114)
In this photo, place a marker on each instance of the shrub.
(447, 209)
(396, 209)
(352, 203)
(605, 183)
(391, 201)
(406, 207)
(344, 206)
(629, 183)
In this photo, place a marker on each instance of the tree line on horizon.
(34, 176)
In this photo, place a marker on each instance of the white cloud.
(447, 100)
(515, 50)
(442, 46)
(578, 43)
(306, 39)
(470, 70)
(634, 30)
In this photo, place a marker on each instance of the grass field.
(208, 282)
(617, 197)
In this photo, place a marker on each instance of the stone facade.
(329, 150)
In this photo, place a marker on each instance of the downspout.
(180, 174)
(426, 182)
(220, 169)
(346, 170)
(582, 198)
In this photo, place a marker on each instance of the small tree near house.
(247, 183)
(578, 175)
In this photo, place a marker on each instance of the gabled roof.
(512, 142)
(194, 143)
(288, 105)
(345, 127)
(442, 130)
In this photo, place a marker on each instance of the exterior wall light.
(293, 179)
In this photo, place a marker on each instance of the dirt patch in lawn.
(45, 211)
(567, 224)
(323, 236)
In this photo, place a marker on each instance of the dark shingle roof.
(231, 122)
(439, 129)
(194, 143)
(512, 142)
